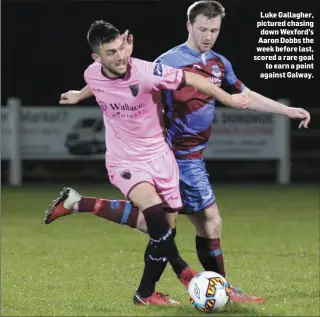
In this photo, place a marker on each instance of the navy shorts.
(195, 188)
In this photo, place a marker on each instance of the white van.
(86, 137)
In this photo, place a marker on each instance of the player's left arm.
(75, 96)
(169, 78)
(238, 101)
(260, 103)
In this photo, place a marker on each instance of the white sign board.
(56, 133)
(245, 135)
(78, 133)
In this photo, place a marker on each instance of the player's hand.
(299, 113)
(127, 42)
(239, 101)
(69, 98)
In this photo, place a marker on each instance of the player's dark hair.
(101, 32)
(209, 9)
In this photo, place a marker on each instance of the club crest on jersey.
(216, 71)
(134, 89)
(126, 174)
(157, 70)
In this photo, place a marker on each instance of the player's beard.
(201, 47)
(206, 46)
(119, 69)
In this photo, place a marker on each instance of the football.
(208, 291)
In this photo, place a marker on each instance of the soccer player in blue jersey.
(190, 115)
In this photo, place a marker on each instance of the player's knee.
(141, 223)
(214, 222)
(217, 224)
(171, 217)
(157, 224)
(212, 214)
(211, 224)
(210, 229)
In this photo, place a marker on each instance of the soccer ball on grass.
(208, 291)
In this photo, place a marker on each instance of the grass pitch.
(82, 265)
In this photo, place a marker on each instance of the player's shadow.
(183, 310)
(240, 310)
(186, 310)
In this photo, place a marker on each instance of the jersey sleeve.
(86, 77)
(231, 82)
(164, 77)
(90, 72)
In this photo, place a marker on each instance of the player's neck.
(193, 46)
(108, 74)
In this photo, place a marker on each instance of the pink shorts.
(161, 172)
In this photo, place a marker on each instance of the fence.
(77, 134)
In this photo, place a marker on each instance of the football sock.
(153, 269)
(118, 211)
(163, 236)
(160, 250)
(210, 254)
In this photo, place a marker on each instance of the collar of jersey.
(191, 51)
(125, 76)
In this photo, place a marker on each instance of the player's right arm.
(239, 101)
(75, 96)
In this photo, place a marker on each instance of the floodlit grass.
(82, 265)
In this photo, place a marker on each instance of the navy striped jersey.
(189, 112)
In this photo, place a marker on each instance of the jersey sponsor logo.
(132, 115)
(126, 111)
(125, 106)
(122, 110)
(134, 89)
(158, 70)
(216, 71)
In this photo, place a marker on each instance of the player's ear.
(188, 24)
(96, 57)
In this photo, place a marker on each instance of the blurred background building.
(44, 53)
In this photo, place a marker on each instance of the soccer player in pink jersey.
(189, 132)
(138, 159)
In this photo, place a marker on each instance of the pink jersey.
(131, 112)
